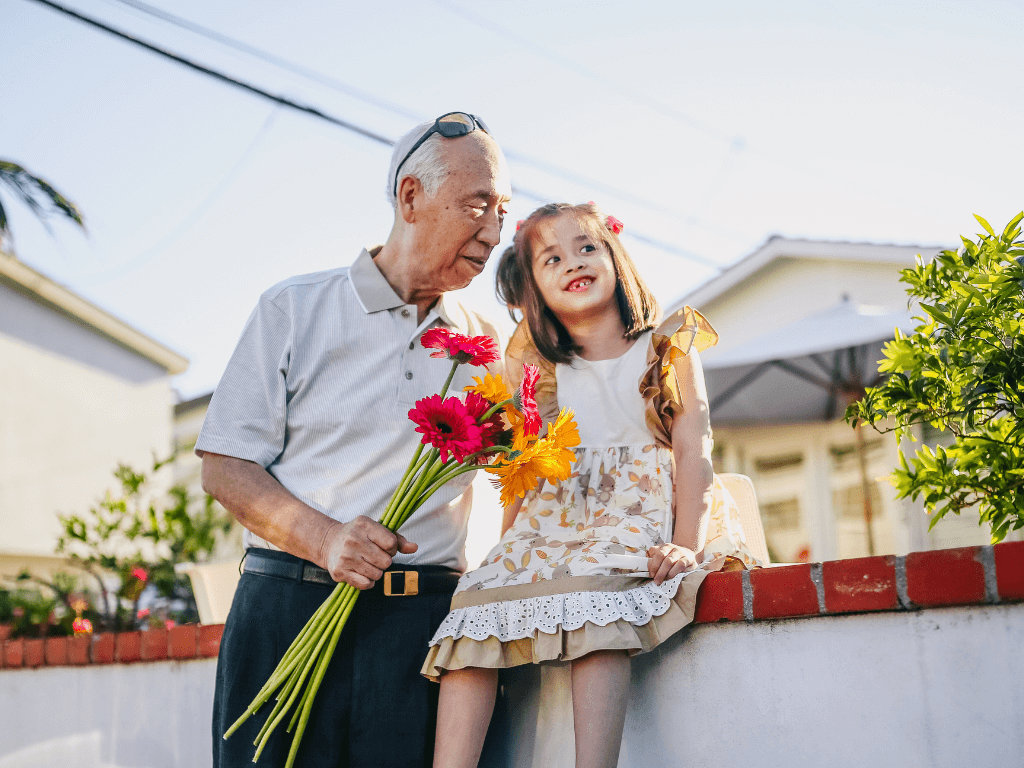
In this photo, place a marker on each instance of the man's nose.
(490, 232)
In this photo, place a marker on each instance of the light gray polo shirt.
(318, 392)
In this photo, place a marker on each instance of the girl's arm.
(692, 482)
(511, 511)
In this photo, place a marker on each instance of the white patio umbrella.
(808, 370)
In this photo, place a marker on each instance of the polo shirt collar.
(375, 294)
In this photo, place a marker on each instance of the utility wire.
(192, 218)
(283, 100)
(270, 58)
(398, 109)
(735, 143)
(309, 110)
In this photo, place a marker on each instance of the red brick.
(14, 653)
(1010, 569)
(154, 644)
(5, 633)
(34, 652)
(78, 649)
(209, 639)
(103, 648)
(128, 647)
(720, 598)
(183, 642)
(56, 651)
(784, 591)
(946, 577)
(860, 584)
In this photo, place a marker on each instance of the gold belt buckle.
(411, 586)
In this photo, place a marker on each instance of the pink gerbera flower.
(526, 401)
(475, 350)
(448, 426)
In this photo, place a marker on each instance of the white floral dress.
(570, 576)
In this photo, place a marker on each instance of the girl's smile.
(574, 272)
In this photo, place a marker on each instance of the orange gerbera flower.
(532, 458)
(491, 386)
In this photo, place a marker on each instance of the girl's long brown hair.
(517, 288)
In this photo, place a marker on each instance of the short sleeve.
(248, 412)
(680, 333)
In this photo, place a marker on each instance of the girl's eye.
(587, 248)
(552, 260)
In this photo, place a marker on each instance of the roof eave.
(74, 306)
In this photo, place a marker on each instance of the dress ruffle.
(565, 626)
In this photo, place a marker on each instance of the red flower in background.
(140, 573)
(448, 426)
(81, 626)
(475, 350)
(526, 401)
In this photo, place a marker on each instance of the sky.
(706, 128)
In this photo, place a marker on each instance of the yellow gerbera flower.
(490, 387)
(536, 458)
(563, 432)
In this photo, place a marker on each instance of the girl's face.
(574, 272)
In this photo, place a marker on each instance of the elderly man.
(307, 436)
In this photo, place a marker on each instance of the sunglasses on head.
(451, 126)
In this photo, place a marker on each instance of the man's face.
(456, 230)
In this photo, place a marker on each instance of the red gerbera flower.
(476, 350)
(526, 401)
(491, 429)
(448, 426)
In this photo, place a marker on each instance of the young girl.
(606, 564)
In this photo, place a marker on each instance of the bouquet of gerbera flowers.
(488, 429)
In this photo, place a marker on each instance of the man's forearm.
(266, 508)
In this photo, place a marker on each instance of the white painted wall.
(919, 690)
(929, 689)
(150, 715)
(74, 404)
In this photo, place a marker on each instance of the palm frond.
(37, 194)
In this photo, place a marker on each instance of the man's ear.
(410, 192)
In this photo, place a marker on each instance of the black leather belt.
(399, 581)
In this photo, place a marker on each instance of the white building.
(807, 472)
(80, 392)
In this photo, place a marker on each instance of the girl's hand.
(669, 560)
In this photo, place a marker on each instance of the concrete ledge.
(945, 577)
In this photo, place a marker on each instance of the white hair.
(425, 164)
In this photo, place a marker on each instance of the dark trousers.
(373, 708)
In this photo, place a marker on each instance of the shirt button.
(405, 313)
(412, 345)
(408, 374)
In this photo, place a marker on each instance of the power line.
(284, 101)
(735, 143)
(305, 108)
(350, 90)
(270, 58)
(194, 216)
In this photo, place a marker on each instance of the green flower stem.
(314, 685)
(494, 409)
(445, 478)
(410, 472)
(294, 656)
(399, 513)
(448, 381)
(282, 709)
